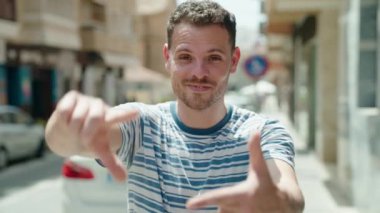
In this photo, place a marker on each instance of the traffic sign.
(256, 66)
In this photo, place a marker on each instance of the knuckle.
(72, 93)
(98, 101)
(96, 118)
(62, 112)
(77, 119)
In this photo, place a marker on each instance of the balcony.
(49, 23)
(8, 29)
(92, 39)
(282, 14)
(98, 40)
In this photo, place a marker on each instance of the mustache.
(195, 80)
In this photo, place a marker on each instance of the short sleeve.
(276, 142)
(131, 134)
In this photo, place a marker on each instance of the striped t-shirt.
(169, 162)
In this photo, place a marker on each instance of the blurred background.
(313, 64)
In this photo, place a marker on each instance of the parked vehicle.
(90, 188)
(20, 136)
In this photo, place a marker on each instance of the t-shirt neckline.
(197, 131)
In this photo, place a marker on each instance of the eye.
(215, 58)
(184, 58)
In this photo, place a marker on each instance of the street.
(32, 186)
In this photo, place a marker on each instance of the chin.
(198, 104)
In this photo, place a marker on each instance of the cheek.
(219, 72)
(177, 76)
(181, 72)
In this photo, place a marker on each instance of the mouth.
(199, 88)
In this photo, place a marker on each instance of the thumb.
(257, 162)
(117, 115)
(113, 164)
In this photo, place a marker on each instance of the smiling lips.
(199, 88)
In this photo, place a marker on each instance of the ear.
(235, 59)
(165, 52)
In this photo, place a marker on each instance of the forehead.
(192, 36)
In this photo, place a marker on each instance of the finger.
(66, 105)
(216, 197)
(94, 120)
(257, 162)
(79, 114)
(96, 138)
(117, 115)
(112, 163)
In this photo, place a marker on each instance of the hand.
(256, 194)
(89, 122)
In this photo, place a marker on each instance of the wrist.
(293, 203)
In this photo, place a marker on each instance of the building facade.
(50, 47)
(153, 17)
(335, 86)
(9, 28)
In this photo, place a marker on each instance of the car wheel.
(3, 158)
(40, 150)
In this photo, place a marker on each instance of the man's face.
(200, 61)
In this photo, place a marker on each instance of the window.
(368, 57)
(98, 12)
(8, 10)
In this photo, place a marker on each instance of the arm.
(284, 177)
(83, 125)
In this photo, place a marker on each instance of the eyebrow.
(216, 50)
(209, 51)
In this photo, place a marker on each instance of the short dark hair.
(202, 13)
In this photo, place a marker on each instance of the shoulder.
(238, 112)
(250, 120)
(247, 117)
(147, 110)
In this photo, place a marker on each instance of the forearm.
(285, 180)
(292, 196)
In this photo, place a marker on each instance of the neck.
(201, 119)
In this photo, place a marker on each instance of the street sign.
(256, 66)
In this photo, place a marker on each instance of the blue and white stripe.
(168, 162)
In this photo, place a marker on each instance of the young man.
(197, 152)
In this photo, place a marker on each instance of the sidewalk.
(312, 176)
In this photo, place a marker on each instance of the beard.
(197, 101)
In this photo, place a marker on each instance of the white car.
(20, 136)
(90, 188)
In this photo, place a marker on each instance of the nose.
(200, 70)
